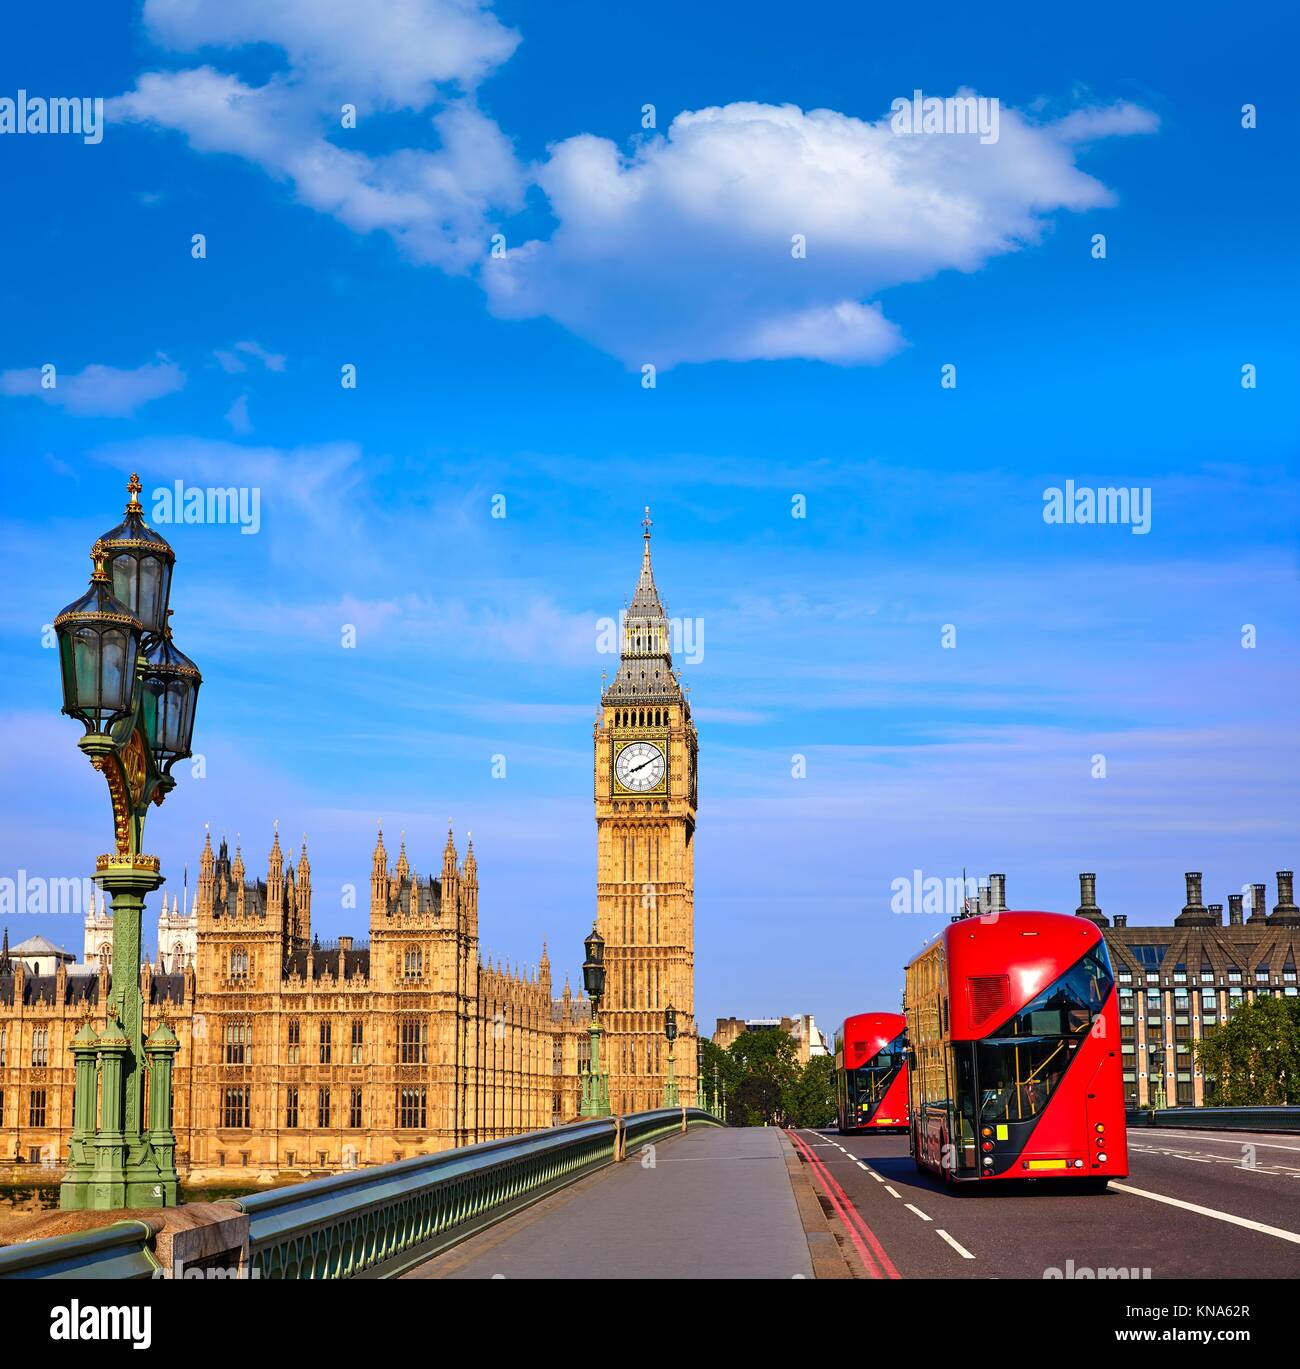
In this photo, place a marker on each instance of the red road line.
(864, 1254)
(853, 1220)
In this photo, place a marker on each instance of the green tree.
(812, 1099)
(722, 1064)
(765, 1084)
(1253, 1059)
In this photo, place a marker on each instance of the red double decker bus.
(871, 1072)
(1015, 1052)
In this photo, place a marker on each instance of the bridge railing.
(119, 1251)
(378, 1222)
(1218, 1119)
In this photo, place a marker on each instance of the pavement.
(1222, 1205)
(711, 1204)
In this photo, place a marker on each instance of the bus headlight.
(1101, 1159)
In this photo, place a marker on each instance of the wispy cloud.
(97, 391)
(232, 360)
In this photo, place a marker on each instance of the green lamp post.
(701, 1093)
(670, 1035)
(134, 693)
(595, 1085)
(1157, 1070)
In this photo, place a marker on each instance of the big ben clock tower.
(646, 755)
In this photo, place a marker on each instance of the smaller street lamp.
(595, 1085)
(171, 689)
(670, 1035)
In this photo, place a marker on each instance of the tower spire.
(646, 666)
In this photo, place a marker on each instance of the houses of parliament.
(302, 1057)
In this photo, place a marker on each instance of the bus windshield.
(871, 1081)
(1019, 1065)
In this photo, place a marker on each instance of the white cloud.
(435, 204)
(1107, 121)
(681, 251)
(237, 416)
(393, 55)
(99, 391)
(409, 54)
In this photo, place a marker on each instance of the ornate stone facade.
(301, 1058)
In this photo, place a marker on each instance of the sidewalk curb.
(828, 1260)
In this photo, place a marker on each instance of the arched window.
(413, 963)
(239, 963)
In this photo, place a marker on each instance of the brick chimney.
(1216, 912)
(1088, 901)
(1236, 914)
(1195, 913)
(997, 893)
(1258, 900)
(1286, 914)
(1121, 919)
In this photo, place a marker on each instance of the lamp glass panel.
(85, 651)
(149, 609)
(113, 695)
(126, 582)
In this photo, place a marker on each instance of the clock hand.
(643, 765)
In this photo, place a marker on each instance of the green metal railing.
(120, 1251)
(379, 1222)
(1217, 1119)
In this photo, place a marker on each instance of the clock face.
(640, 766)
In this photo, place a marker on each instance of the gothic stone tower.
(645, 766)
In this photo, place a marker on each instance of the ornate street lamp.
(595, 1085)
(670, 1035)
(134, 692)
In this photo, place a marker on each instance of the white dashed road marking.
(923, 1216)
(960, 1249)
(1277, 1231)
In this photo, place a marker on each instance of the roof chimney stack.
(997, 893)
(1286, 914)
(1236, 914)
(1216, 912)
(1088, 901)
(1195, 913)
(1258, 901)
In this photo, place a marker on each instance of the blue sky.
(777, 376)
